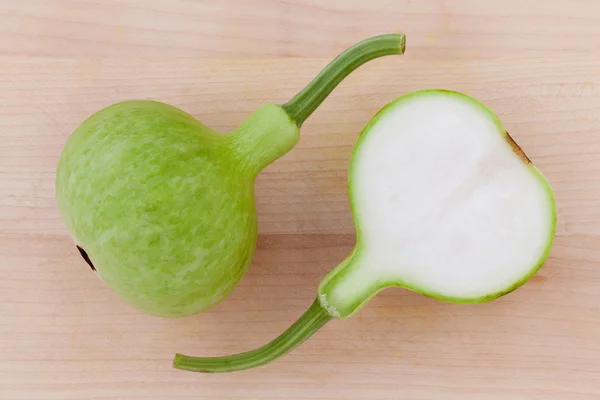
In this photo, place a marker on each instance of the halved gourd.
(445, 203)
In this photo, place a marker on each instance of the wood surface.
(64, 335)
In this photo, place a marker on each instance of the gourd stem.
(304, 103)
(313, 319)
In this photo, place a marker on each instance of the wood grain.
(63, 335)
(275, 28)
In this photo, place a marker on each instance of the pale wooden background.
(63, 335)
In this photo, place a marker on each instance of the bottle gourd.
(162, 207)
(445, 203)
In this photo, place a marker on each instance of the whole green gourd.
(162, 206)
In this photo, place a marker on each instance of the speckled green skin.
(163, 205)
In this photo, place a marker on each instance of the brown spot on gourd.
(86, 257)
(517, 149)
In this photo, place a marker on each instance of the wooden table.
(64, 335)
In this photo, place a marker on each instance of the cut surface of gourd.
(445, 203)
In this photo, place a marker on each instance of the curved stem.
(304, 103)
(313, 319)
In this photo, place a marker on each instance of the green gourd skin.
(135, 219)
(164, 207)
